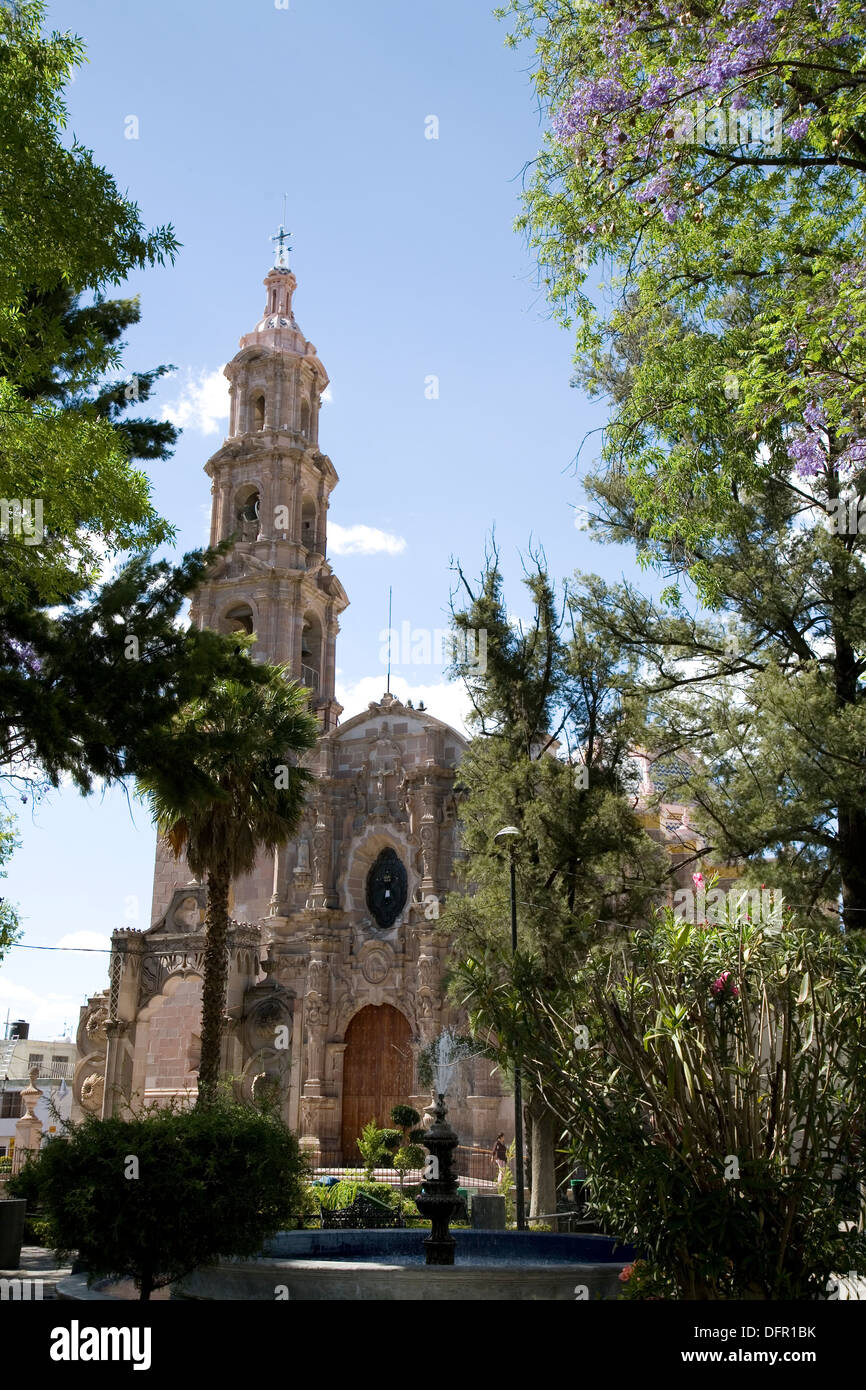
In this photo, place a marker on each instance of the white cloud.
(327, 396)
(203, 403)
(45, 1013)
(363, 540)
(85, 940)
(446, 700)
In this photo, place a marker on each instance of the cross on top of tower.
(281, 261)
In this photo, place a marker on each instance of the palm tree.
(233, 789)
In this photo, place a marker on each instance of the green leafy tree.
(9, 920)
(713, 159)
(161, 1195)
(87, 684)
(408, 1159)
(60, 443)
(90, 692)
(232, 789)
(549, 756)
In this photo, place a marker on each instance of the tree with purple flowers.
(710, 160)
(707, 162)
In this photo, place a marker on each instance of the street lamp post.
(507, 833)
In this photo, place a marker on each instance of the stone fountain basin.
(380, 1265)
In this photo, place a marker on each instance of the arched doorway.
(377, 1071)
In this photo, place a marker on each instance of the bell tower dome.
(270, 485)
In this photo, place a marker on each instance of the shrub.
(372, 1147)
(720, 1108)
(160, 1195)
(404, 1117)
(409, 1157)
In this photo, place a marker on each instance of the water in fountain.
(446, 1054)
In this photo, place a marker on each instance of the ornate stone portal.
(338, 925)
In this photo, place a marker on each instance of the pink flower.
(626, 1273)
(698, 880)
(724, 984)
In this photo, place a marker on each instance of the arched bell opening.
(311, 652)
(239, 619)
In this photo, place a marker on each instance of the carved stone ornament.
(375, 967)
(91, 1092)
(95, 1025)
(387, 887)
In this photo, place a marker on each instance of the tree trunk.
(213, 1001)
(146, 1286)
(544, 1134)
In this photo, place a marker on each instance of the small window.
(35, 1059)
(258, 412)
(10, 1105)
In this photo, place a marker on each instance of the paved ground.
(40, 1267)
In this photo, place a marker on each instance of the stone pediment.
(393, 708)
(184, 915)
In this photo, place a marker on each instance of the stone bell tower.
(270, 485)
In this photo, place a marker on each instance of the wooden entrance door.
(377, 1072)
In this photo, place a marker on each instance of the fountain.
(438, 1196)
(352, 1265)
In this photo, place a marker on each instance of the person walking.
(500, 1153)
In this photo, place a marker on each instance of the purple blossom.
(796, 129)
(656, 188)
(853, 457)
(659, 90)
(815, 416)
(808, 454)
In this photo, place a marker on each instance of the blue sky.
(407, 268)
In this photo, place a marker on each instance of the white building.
(54, 1061)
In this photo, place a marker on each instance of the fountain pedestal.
(438, 1198)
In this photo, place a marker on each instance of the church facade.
(335, 964)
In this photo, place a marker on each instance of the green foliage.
(410, 1157)
(26, 1183)
(404, 1116)
(643, 1281)
(729, 345)
(59, 441)
(232, 788)
(343, 1193)
(372, 1147)
(550, 757)
(211, 1182)
(505, 1188)
(737, 254)
(9, 919)
(92, 692)
(719, 1107)
(391, 1140)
